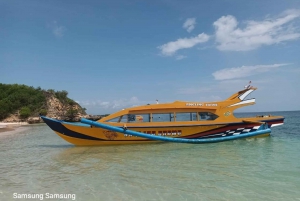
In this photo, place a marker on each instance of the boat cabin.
(182, 111)
(163, 117)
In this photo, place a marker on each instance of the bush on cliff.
(43, 112)
(61, 95)
(71, 113)
(25, 112)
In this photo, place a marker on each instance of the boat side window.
(124, 119)
(114, 120)
(163, 117)
(186, 116)
(138, 118)
(206, 116)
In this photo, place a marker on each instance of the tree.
(62, 96)
(71, 113)
(43, 112)
(25, 112)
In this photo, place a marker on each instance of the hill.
(25, 103)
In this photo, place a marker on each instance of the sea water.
(34, 161)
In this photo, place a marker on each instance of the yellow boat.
(180, 121)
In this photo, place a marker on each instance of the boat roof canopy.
(167, 107)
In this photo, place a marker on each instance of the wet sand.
(4, 127)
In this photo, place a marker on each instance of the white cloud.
(170, 48)
(256, 33)
(115, 104)
(180, 57)
(244, 71)
(189, 24)
(104, 104)
(57, 30)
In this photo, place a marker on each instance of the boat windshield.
(204, 116)
(114, 120)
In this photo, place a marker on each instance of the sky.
(111, 55)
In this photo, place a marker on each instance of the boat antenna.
(248, 86)
(156, 101)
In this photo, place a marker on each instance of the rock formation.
(67, 110)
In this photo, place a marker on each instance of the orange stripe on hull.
(83, 142)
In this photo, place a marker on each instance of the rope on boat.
(263, 129)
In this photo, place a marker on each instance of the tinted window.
(124, 119)
(162, 117)
(186, 116)
(116, 119)
(204, 116)
(138, 118)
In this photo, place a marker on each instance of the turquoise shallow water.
(35, 160)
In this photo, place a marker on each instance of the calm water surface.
(35, 160)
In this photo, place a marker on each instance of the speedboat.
(180, 121)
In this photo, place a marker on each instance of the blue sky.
(111, 55)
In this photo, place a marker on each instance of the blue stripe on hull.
(262, 130)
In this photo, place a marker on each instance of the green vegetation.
(14, 97)
(71, 113)
(62, 96)
(29, 101)
(43, 112)
(25, 112)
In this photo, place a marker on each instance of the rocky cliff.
(64, 109)
(22, 103)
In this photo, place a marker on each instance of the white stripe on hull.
(242, 97)
(243, 102)
(276, 124)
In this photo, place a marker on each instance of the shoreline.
(8, 126)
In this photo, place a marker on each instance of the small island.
(25, 104)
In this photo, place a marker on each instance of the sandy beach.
(4, 127)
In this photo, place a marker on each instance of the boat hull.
(86, 135)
